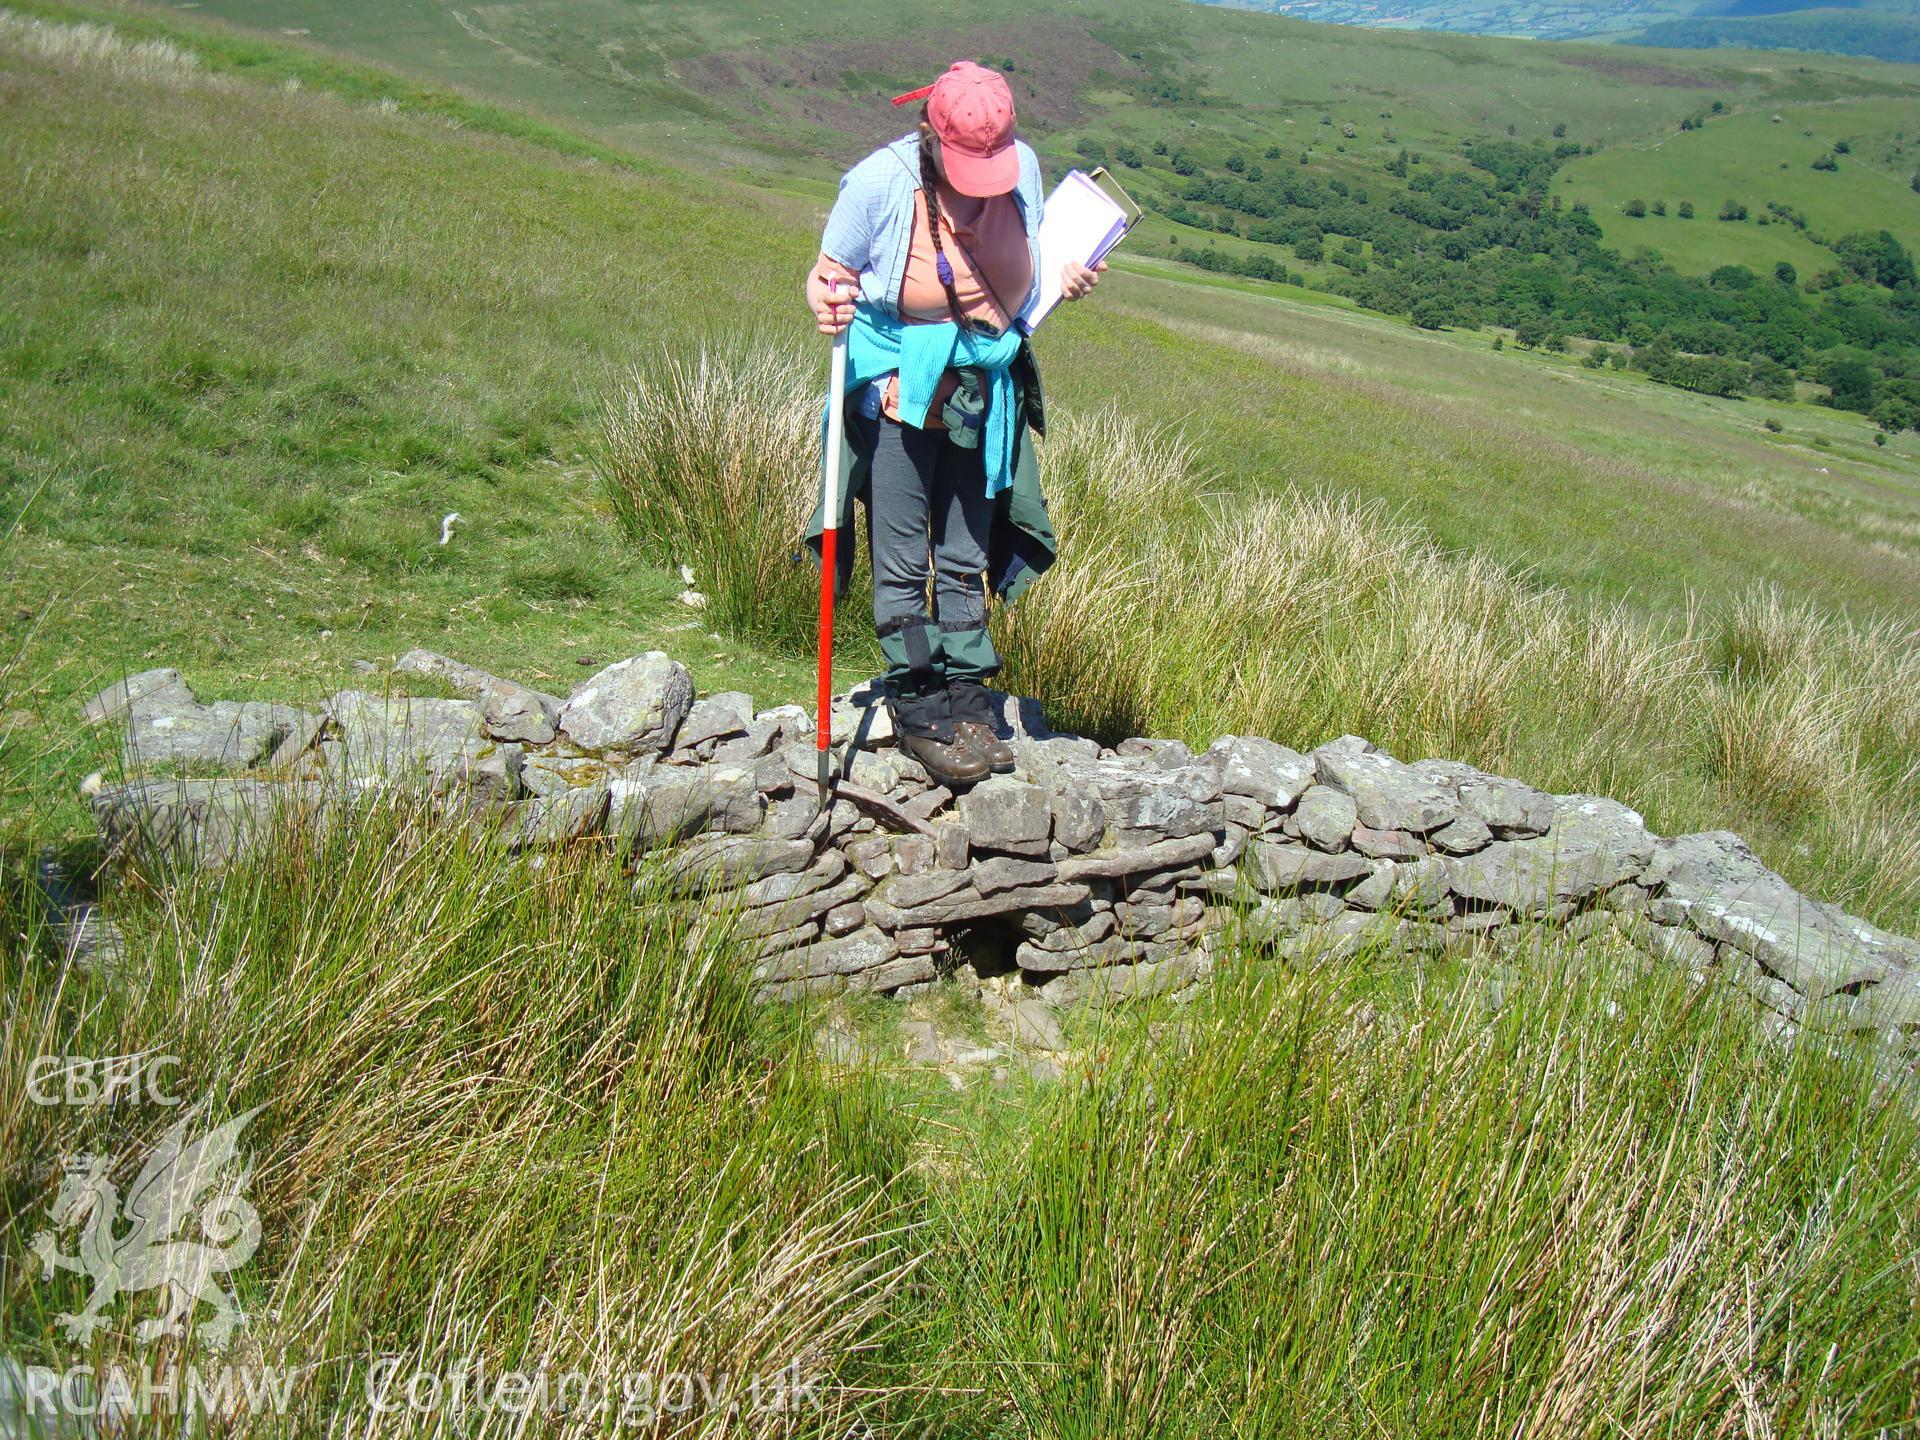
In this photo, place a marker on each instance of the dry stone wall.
(1092, 873)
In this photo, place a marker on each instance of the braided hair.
(929, 186)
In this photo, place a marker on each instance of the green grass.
(1750, 158)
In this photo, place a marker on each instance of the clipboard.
(1085, 217)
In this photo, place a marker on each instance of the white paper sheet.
(1081, 222)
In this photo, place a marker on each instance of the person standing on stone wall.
(930, 252)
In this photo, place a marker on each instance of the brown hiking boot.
(950, 763)
(995, 751)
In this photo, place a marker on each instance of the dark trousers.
(928, 523)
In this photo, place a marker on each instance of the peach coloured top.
(990, 258)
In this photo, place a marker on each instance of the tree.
(1826, 162)
(1732, 210)
(1159, 147)
(1273, 152)
(1560, 130)
(1091, 150)
(1785, 273)
(1127, 156)
(1879, 258)
(1530, 333)
(1659, 207)
(1432, 312)
(1850, 385)
(1596, 358)
(1635, 208)
(1686, 210)
(1237, 163)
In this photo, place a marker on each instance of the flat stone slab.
(169, 727)
(1731, 898)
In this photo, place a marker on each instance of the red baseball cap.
(971, 109)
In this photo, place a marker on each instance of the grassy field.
(257, 338)
(1754, 158)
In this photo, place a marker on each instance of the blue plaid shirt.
(871, 227)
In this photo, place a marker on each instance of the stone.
(1136, 860)
(632, 705)
(827, 869)
(1113, 949)
(1008, 872)
(1143, 921)
(915, 940)
(791, 992)
(861, 950)
(299, 740)
(167, 726)
(1676, 945)
(724, 716)
(914, 855)
(1387, 844)
(543, 820)
(1095, 925)
(1079, 820)
(872, 857)
(967, 904)
(1325, 817)
(206, 822)
(790, 818)
(1592, 845)
(1120, 983)
(1463, 836)
(1262, 770)
(1386, 794)
(762, 738)
(1233, 841)
(951, 846)
(845, 918)
(1730, 897)
(1001, 813)
(806, 907)
(1031, 1021)
(895, 974)
(1165, 754)
(1509, 809)
(671, 803)
(737, 859)
(1421, 889)
(1145, 804)
(1242, 810)
(1272, 866)
(401, 740)
(909, 892)
(927, 803)
(507, 711)
(120, 696)
(1374, 891)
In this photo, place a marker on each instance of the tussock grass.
(1578, 1198)
(514, 1117)
(156, 61)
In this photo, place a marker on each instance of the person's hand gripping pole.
(829, 530)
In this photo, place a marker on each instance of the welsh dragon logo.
(132, 1245)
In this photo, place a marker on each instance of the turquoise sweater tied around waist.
(879, 345)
